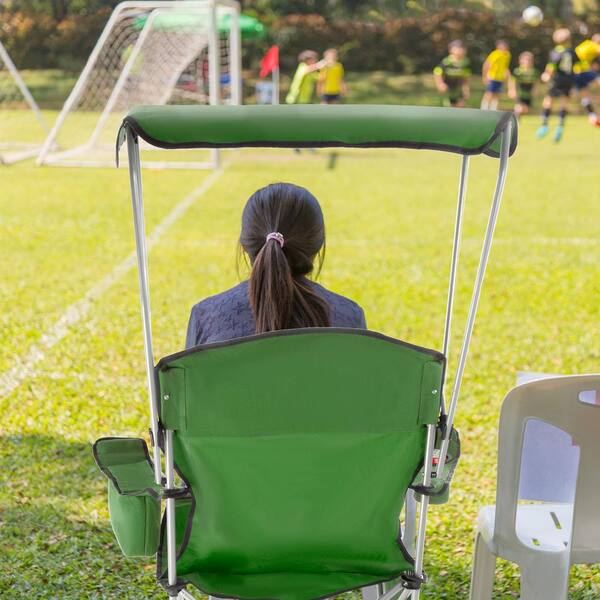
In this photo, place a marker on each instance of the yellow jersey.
(498, 62)
(331, 78)
(302, 88)
(587, 52)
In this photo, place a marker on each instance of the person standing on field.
(495, 72)
(522, 82)
(332, 85)
(586, 73)
(302, 89)
(452, 74)
(559, 73)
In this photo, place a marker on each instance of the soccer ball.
(533, 15)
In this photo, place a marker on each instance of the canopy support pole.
(170, 510)
(135, 179)
(483, 260)
(462, 192)
(422, 529)
(428, 462)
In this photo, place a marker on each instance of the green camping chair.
(288, 456)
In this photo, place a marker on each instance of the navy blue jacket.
(228, 315)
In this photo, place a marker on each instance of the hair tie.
(275, 235)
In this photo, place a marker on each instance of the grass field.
(71, 332)
(51, 87)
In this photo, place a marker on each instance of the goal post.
(22, 125)
(151, 52)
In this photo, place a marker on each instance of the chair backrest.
(550, 458)
(563, 403)
(298, 447)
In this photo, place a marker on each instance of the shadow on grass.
(55, 536)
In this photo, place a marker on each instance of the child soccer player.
(302, 89)
(585, 74)
(452, 75)
(495, 71)
(521, 83)
(559, 72)
(331, 80)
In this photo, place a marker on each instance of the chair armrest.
(127, 465)
(133, 496)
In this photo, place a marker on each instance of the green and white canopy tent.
(250, 28)
(291, 486)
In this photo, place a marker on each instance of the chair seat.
(283, 586)
(543, 527)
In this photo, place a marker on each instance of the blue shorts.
(493, 86)
(330, 98)
(583, 79)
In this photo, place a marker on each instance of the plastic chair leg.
(545, 577)
(484, 570)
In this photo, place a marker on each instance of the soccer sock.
(493, 103)
(587, 104)
(562, 115)
(485, 105)
(545, 116)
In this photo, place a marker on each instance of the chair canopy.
(298, 448)
(464, 131)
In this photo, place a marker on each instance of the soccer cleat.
(594, 120)
(542, 132)
(558, 133)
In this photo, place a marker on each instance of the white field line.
(399, 241)
(25, 365)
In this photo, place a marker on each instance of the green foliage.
(370, 36)
(39, 41)
(63, 230)
(409, 44)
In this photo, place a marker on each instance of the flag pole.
(275, 80)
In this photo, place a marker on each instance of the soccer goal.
(150, 52)
(22, 126)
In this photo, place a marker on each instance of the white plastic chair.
(543, 539)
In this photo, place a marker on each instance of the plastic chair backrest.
(298, 447)
(550, 458)
(559, 401)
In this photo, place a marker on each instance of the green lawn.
(51, 87)
(389, 217)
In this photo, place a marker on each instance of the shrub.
(408, 44)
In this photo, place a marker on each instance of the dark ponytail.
(280, 295)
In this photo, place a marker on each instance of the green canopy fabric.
(461, 130)
(168, 20)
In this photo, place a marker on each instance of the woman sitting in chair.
(283, 232)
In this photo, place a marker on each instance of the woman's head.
(280, 296)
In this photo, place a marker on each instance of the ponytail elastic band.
(275, 235)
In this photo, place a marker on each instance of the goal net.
(153, 53)
(22, 126)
